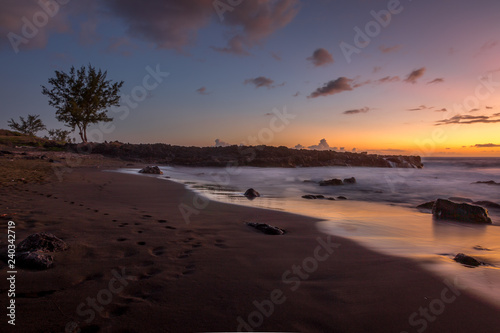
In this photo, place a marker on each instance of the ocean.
(379, 212)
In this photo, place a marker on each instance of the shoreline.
(204, 275)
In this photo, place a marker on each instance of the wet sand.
(136, 265)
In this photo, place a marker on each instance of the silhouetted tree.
(82, 97)
(59, 135)
(28, 126)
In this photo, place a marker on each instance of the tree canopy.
(28, 126)
(82, 97)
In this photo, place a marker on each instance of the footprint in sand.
(157, 251)
(150, 273)
(121, 239)
(162, 221)
(185, 254)
(220, 243)
(141, 243)
(137, 223)
(146, 216)
(169, 227)
(122, 225)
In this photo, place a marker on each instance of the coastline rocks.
(33, 252)
(427, 205)
(341, 197)
(153, 170)
(488, 182)
(251, 193)
(331, 182)
(351, 180)
(467, 260)
(445, 209)
(266, 228)
(319, 196)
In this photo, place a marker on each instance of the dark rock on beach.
(34, 260)
(331, 182)
(341, 197)
(318, 196)
(266, 228)
(251, 193)
(34, 251)
(43, 242)
(446, 209)
(467, 260)
(351, 180)
(154, 170)
(480, 248)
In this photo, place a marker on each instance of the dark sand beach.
(136, 265)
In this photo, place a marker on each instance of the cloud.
(415, 75)
(322, 145)
(12, 22)
(469, 119)
(386, 49)
(296, 94)
(299, 146)
(202, 91)
(376, 69)
(252, 21)
(437, 80)
(487, 46)
(261, 81)
(474, 110)
(219, 143)
(388, 79)
(442, 110)
(421, 107)
(276, 56)
(333, 87)
(174, 24)
(321, 57)
(489, 107)
(356, 111)
(486, 145)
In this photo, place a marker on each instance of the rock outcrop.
(153, 170)
(351, 180)
(35, 252)
(446, 209)
(331, 182)
(467, 260)
(251, 193)
(266, 228)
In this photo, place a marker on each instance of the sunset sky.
(400, 77)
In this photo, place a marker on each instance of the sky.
(392, 77)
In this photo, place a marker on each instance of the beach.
(147, 255)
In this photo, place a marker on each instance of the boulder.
(266, 228)
(427, 205)
(251, 193)
(487, 204)
(42, 242)
(446, 209)
(34, 260)
(331, 182)
(488, 182)
(309, 196)
(34, 251)
(467, 260)
(154, 170)
(351, 180)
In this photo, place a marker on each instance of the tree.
(82, 97)
(29, 126)
(59, 135)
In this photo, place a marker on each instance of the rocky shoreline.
(257, 156)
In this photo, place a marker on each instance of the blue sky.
(427, 82)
